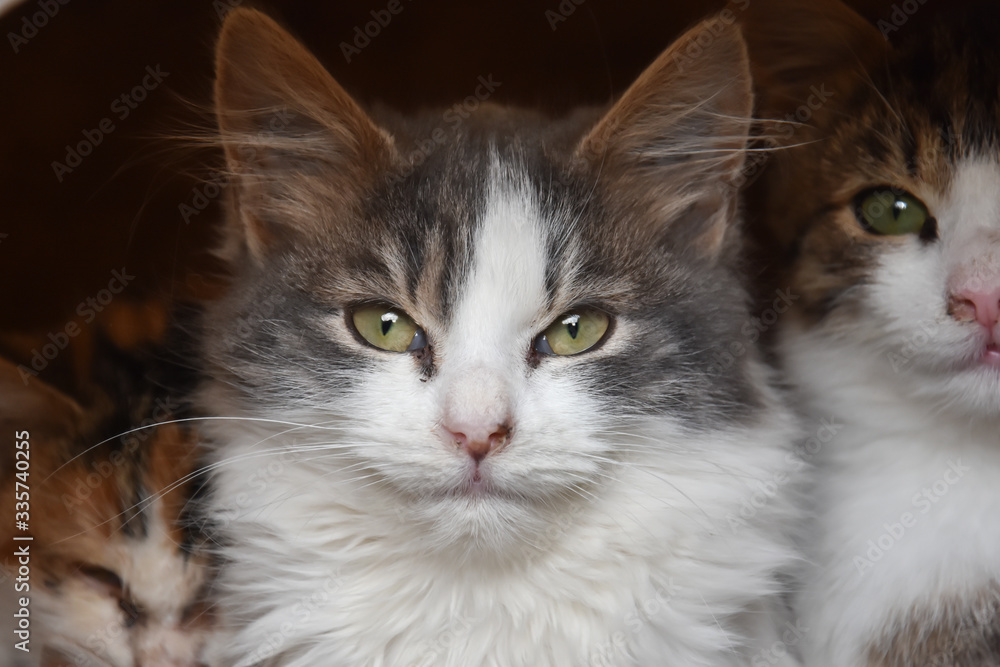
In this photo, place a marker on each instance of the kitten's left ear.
(675, 143)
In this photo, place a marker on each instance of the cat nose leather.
(976, 305)
(479, 441)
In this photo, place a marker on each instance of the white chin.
(975, 390)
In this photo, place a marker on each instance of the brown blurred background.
(121, 206)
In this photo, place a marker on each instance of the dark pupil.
(386, 325)
(573, 328)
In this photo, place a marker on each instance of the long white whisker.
(179, 421)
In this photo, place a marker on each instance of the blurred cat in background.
(118, 578)
(888, 211)
(491, 405)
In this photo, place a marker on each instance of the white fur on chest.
(905, 502)
(648, 573)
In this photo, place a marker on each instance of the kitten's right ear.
(805, 52)
(297, 146)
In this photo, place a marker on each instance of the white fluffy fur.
(912, 410)
(610, 542)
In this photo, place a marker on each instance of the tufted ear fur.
(299, 149)
(676, 140)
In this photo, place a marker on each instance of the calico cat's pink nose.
(477, 440)
(976, 305)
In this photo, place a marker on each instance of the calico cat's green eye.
(388, 328)
(891, 212)
(573, 332)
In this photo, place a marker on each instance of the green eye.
(891, 212)
(388, 328)
(573, 332)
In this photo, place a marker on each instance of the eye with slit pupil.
(892, 212)
(573, 333)
(387, 328)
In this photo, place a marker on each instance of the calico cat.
(116, 576)
(491, 405)
(888, 210)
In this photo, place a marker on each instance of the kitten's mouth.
(991, 356)
(477, 483)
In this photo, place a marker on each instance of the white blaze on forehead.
(505, 289)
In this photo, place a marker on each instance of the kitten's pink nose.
(976, 305)
(478, 440)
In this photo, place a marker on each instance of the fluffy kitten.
(491, 405)
(116, 579)
(889, 211)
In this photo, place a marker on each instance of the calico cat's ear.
(803, 53)
(27, 403)
(297, 146)
(675, 143)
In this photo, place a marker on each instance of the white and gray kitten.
(491, 405)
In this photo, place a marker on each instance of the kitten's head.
(116, 578)
(478, 323)
(889, 211)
